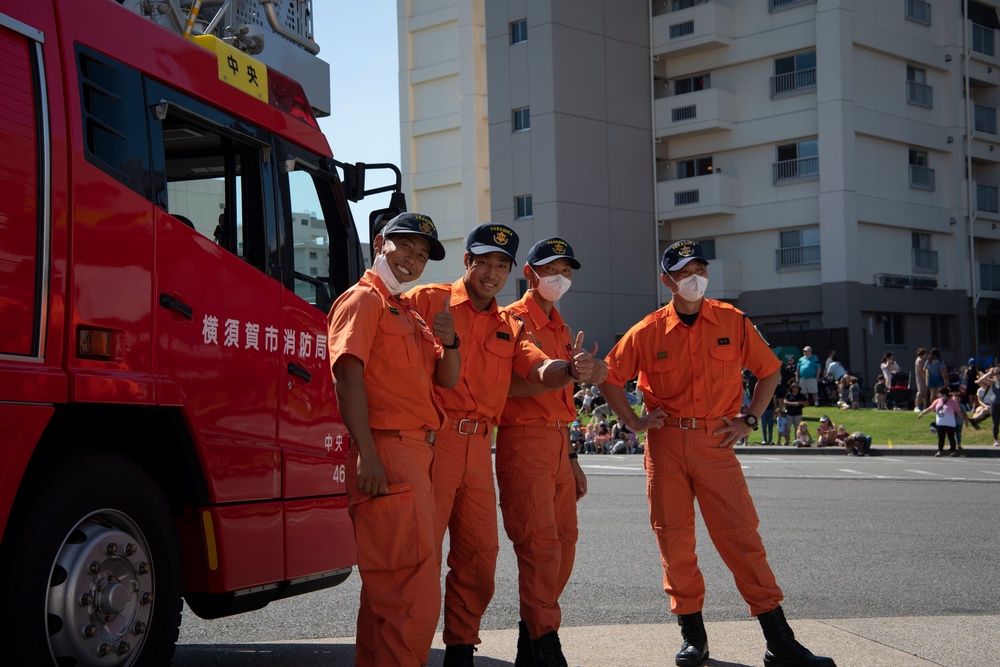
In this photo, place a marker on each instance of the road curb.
(978, 451)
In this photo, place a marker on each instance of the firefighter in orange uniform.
(494, 345)
(385, 360)
(538, 474)
(689, 356)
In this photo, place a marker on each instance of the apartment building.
(824, 152)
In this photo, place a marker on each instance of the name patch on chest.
(723, 341)
(393, 310)
(503, 335)
(661, 355)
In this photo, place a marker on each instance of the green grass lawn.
(901, 426)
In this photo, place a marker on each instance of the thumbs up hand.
(583, 364)
(444, 324)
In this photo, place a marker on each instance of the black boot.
(547, 650)
(782, 648)
(694, 650)
(458, 655)
(524, 657)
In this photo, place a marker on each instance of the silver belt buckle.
(463, 426)
(691, 423)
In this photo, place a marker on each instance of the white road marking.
(990, 472)
(592, 467)
(854, 472)
(924, 472)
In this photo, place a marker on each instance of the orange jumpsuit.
(400, 577)
(464, 493)
(537, 487)
(694, 374)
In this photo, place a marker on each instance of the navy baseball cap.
(679, 254)
(416, 223)
(492, 237)
(549, 250)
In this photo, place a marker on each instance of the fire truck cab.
(173, 229)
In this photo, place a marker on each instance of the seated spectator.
(602, 438)
(588, 440)
(576, 439)
(803, 438)
(826, 433)
(586, 400)
(857, 444)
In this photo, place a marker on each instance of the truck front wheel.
(91, 566)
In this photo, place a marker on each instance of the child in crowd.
(880, 392)
(803, 438)
(781, 421)
(855, 393)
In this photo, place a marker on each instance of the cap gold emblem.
(558, 248)
(501, 237)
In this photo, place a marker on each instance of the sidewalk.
(917, 641)
(972, 451)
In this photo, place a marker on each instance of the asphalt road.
(848, 538)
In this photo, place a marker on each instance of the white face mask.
(691, 288)
(381, 267)
(552, 287)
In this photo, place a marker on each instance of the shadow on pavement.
(718, 663)
(300, 655)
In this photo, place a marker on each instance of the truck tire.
(91, 566)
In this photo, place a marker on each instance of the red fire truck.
(173, 228)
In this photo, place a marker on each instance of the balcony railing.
(921, 178)
(925, 261)
(919, 11)
(987, 198)
(687, 197)
(778, 5)
(684, 113)
(985, 119)
(802, 169)
(920, 94)
(793, 83)
(983, 40)
(797, 258)
(682, 29)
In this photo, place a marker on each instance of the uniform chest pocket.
(661, 374)
(726, 365)
(400, 342)
(498, 359)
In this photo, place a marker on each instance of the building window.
(304, 222)
(924, 259)
(797, 162)
(985, 119)
(687, 197)
(692, 84)
(921, 176)
(522, 207)
(987, 198)
(522, 287)
(989, 330)
(941, 331)
(699, 166)
(313, 254)
(794, 74)
(984, 25)
(519, 31)
(918, 11)
(893, 327)
(799, 249)
(989, 277)
(522, 119)
(917, 90)
(683, 113)
(708, 248)
(313, 271)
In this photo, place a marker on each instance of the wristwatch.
(751, 421)
(454, 345)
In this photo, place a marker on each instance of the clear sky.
(359, 40)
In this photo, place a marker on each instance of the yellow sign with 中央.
(237, 68)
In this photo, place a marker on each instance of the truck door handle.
(170, 302)
(298, 371)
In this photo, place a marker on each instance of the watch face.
(751, 421)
